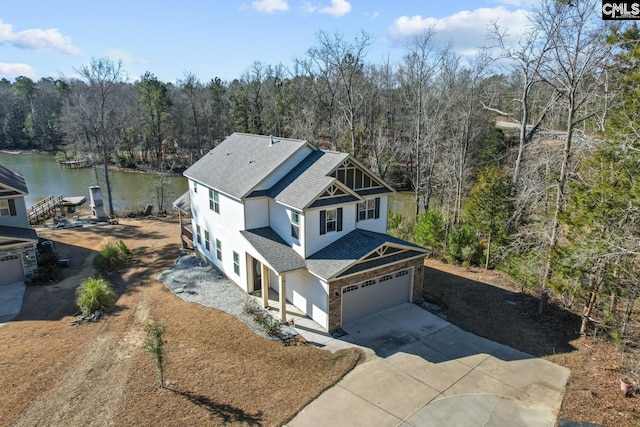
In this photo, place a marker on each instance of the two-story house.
(17, 239)
(310, 224)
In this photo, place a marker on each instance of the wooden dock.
(74, 164)
(48, 206)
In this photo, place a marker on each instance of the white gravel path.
(194, 280)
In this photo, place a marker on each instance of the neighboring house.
(17, 239)
(310, 224)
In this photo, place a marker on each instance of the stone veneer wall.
(335, 287)
(29, 262)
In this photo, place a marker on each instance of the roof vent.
(270, 140)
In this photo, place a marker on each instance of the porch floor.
(304, 325)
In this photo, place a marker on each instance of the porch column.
(264, 282)
(283, 298)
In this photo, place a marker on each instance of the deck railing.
(44, 207)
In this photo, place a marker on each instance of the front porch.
(292, 314)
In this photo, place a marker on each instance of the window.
(214, 201)
(368, 283)
(369, 209)
(330, 220)
(236, 263)
(206, 239)
(219, 249)
(349, 288)
(8, 207)
(295, 225)
(4, 208)
(198, 234)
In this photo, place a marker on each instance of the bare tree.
(336, 68)
(97, 109)
(525, 61)
(574, 67)
(419, 66)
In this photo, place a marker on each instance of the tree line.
(524, 159)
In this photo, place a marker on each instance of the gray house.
(17, 239)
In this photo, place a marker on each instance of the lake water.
(130, 191)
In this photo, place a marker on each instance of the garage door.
(372, 296)
(11, 268)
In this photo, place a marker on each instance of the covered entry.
(374, 295)
(11, 268)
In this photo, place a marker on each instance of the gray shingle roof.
(346, 251)
(308, 180)
(10, 177)
(19, 233)
(242, 161)
(278, 254)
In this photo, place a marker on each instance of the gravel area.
(194, 280)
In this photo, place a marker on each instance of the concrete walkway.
(419, 370)
(11, 297)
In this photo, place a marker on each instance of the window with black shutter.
(330, 220)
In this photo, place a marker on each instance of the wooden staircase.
(45, 208)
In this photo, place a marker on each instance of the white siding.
(256, 212)
(309, 294)
(377, 225)
(20, 219)
(316, 241)
(280, 221)
(224, 226)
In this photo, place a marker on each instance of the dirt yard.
(219, 372)
(488, 304)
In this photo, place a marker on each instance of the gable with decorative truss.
(356, 177)
(335, 194)
(382, 251)
(332, 191)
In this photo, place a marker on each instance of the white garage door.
(10, 269)
(372, 296)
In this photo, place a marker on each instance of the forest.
(525, 159)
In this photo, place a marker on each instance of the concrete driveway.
(420, 370)
(11, 297)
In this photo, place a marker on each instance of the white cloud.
(337, 8)
(37, 39)
(308, 8)
(466, 30)
(11, 71)
(125, 57)
(270, 6)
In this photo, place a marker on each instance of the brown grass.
(218, 371)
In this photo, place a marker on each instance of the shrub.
(113, 255)
(271, 326)
(93, 294)
(154, 345)
(430, 232)
(463, 247)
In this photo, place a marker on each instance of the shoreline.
(112, 167)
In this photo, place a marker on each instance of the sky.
(223, 38)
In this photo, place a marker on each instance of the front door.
(257, 275)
